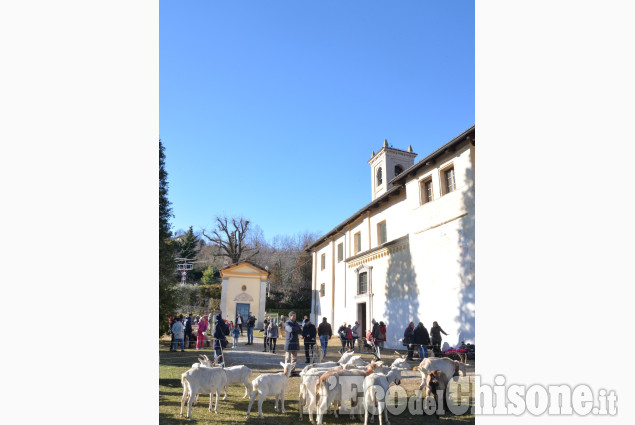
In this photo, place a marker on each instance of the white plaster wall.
(444, 255)
(324, 276)
(223, 297)
(261, 307)
(444, 287)
(432, 280)
(359, 226)
(397, 218)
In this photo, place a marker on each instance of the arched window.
(362, 283)
(398, 169)
(379, 179)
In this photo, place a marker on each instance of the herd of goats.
(321, 384)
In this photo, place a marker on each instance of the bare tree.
(231, 236)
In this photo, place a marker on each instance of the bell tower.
(385, 165)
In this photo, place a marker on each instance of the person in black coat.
(435, 337)
(342, 334)
(265, 324)
(324, 332)
(221, 330)
(408, 339)
(308, 333)
(187, 334)
(422, 340)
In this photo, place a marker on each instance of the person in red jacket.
(381, 336)
(200, 333)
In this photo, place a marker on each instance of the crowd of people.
(414, 337)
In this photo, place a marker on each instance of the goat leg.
(251, 402)
(261, 399)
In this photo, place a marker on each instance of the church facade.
(408, 255)
(243, 291)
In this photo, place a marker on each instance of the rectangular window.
(340, 252)
(322, 289)
(448, 180)
(358, 242)
(381, 233)
(322, 261)
(426, 191)
(362, 283)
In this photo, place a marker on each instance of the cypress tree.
(167, 264)
(189, 245)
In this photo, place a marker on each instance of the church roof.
(383, 198)
(398, 184)
(390, 148)
(412, 171)
(242, 263)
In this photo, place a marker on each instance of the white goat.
(342, 361)
(203, 361)
(320, 365)
(382, 377)
(202, 380)
(374, 401)
(307, 397)
(400, 363)
(346, 357)
(356, 361)
(327, 395)
(237, 375)
(449, 368)
(270, 384)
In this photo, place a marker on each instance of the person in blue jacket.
(292, 342)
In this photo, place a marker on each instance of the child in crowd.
(235, 332)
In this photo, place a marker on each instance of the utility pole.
(185, 264)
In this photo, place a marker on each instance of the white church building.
(408, 255)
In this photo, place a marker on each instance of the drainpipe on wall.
(370, 292)
(332, 284)
(313, 292)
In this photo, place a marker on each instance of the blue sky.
(271, 110)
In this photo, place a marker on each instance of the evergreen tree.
(189, 245)
(167, 265)
(209, 275)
